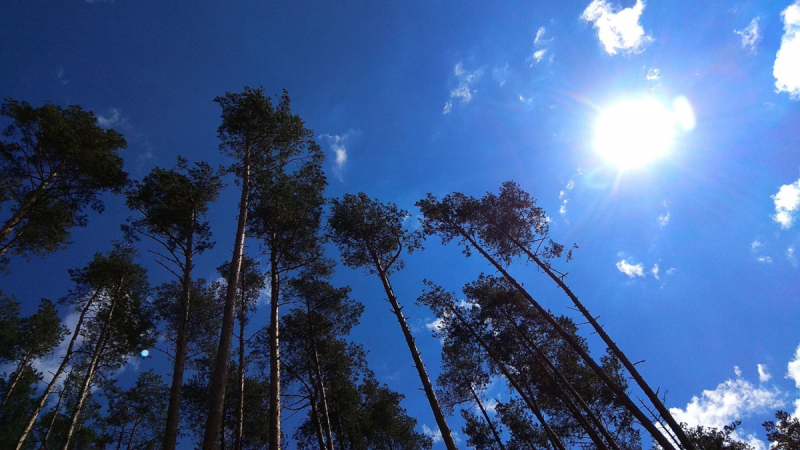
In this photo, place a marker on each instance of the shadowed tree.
(36, 337)
(262, 139)
(784, 432)
(136, 416)
(54, 163)
(708, 438)
(17, 404)
(458, 217)
(371, 235)
(121, 323)
(9, 327)
(173, 204)
(251, 282)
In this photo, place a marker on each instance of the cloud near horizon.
(787, 202)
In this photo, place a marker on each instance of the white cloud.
(731, 400)
(465, 80)
(791, 256)
(750, 35)
(617, 29)
(787, 61)
(338, 144)
(448, 106)
(113, 117)
(570, 185)
(793, 368)
(563, 209)
(652, 74)
(787, 200)
(654, 271)
(631, 270)
(755, 245)
(765, 259)
(737, 371)
(670, 271)
(437, 435)
(539, 54)
(436, 325)
(500, 74)
(763, 373)
(663, 219)
(539, 36)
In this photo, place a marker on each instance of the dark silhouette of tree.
(136, 415)
(36, 337)
(784, 432)
(458, 217)
(122, 322)
(251, 283)
(54, 164)
(371, 235)
(262, 139)
(17, 404)
(173, 204)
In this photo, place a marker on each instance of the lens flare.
(145, 353)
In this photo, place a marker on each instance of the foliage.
(784, 432)
(135, 416)
(54, 164)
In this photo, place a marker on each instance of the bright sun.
(633, 133)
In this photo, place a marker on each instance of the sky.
(690, 259)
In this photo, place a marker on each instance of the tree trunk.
(540, 357)
(133, 432)
(659, 405)
(237, 438)
(447, 436)
(486, 417)
(53, 419)
(121, 435)
(23, 209)
(621, 395)
(173, 410)
(320, 382)
(15, 379)
(57, 375)
(220, 375)
(90, 371)
(317, 422)
(274, 358)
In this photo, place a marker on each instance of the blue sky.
(691, 260)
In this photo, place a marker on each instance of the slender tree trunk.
(320, 382)
(53, 419)
(90, 371)
(659, 405)
(447, 436)
(133, 432)
(121, 436)
(220, 375)
(15, 379)
(173, 410)
(274, 357)
(529, 400)
(23, 209)
(57, 375)
(317, 421)
(541, 357)
(621, 395)
(342, 437)
(486, 417)
(237, 439)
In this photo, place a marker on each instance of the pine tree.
(370, 234)
(55, 164)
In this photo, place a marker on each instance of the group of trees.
(231, 378)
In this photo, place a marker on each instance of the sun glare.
(633, 133)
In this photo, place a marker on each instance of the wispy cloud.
(539, 54)
(540, 47)
(790, 256)
(787, 200)
(464, 90)
(112, 118)
(436, 435)
(654, 271)
(652, 74)
(750, 35)
(663, 219)
(562, 195)
(338, 144)
(755, 245)
(764, 259)
(763, 373)
(786, 69)
(617, 29)
(793, 368)
(631, 270)
(500, 74)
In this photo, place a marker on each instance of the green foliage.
(369, 232)
(135, 416)
(204, 321)
(173, 203)
(784, 432)
(54, 163)
(18, 405)
(707, 438)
